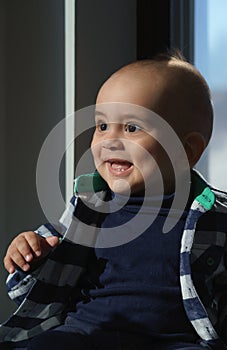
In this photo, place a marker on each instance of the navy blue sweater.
(135, 286)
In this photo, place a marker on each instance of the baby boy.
(155, 290)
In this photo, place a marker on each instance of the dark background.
(108, 34)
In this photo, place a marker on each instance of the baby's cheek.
(95, 150)
(148, 168)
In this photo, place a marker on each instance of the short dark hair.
(188, 83)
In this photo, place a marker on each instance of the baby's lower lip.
(119, 168)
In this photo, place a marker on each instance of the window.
(210, 54)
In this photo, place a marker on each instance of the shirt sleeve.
(19, 283)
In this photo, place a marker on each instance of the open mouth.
(119, 167)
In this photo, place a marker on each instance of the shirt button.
(210, 261)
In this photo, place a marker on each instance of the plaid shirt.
(44, 294)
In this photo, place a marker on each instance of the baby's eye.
(102, 126)
(132, 128)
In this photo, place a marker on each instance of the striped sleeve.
(19, 283)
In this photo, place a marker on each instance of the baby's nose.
(113, 144)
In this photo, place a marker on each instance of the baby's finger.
(48, 243)
(34, 242)
(9, 265)
(24, 244)
(20, 252)
(15, 258)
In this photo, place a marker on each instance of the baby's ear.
(194, 145)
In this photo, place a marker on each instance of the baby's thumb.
(52, 241)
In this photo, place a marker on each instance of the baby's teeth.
(120, 170)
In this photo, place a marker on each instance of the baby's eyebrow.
(126, 115)
(99, 114)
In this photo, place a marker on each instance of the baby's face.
(124, 144)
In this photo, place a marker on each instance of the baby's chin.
(122, 187)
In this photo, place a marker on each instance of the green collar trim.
(206, 199)
(201, 191)
(89, 183)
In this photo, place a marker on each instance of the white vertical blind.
(69, 93)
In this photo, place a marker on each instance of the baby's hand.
(27, 247)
